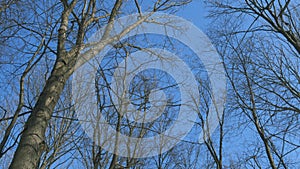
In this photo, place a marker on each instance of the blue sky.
(195, 12)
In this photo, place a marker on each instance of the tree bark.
(32, 143)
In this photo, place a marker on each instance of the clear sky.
(195, 12)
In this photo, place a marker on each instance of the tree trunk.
(32, 143)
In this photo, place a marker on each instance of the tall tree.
(259, 42)
(57, 28)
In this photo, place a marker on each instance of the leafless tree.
(53, 32)
(259, 43)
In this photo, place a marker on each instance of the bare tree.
(53, 32)
(261, 57)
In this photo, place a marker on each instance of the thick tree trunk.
(32, 143)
